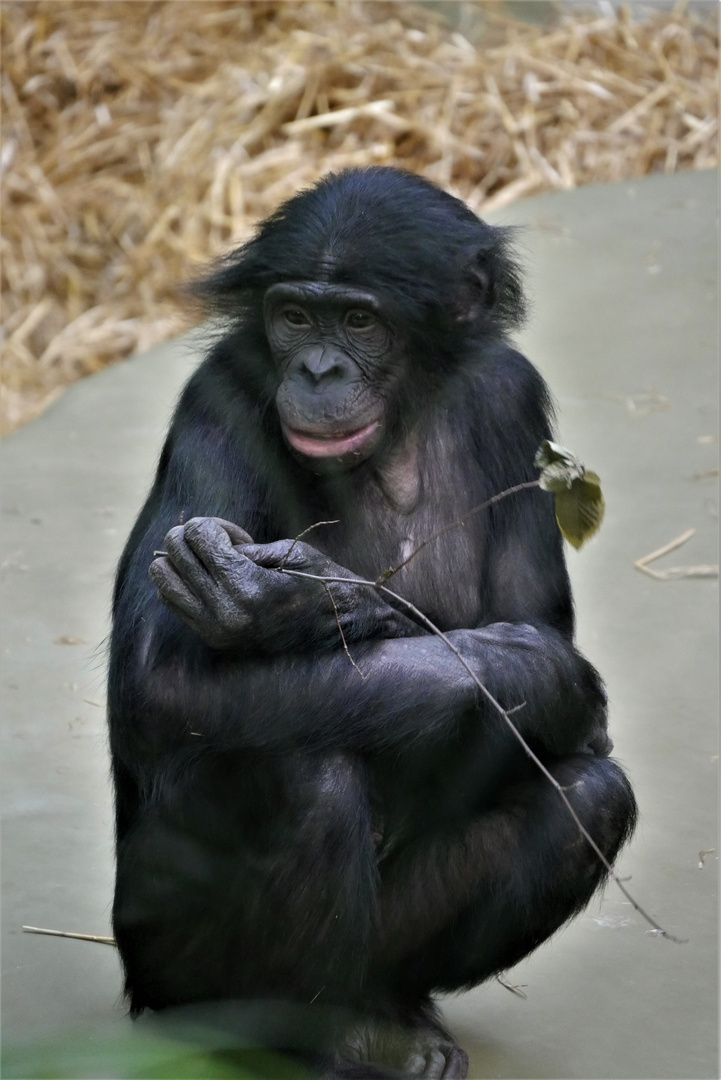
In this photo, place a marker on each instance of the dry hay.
(140, 139)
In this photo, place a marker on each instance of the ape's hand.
(234, 593)
(601, 743)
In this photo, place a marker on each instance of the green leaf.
(580, 509)
(579, 499)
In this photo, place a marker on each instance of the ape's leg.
(456, 910)
(251, 876)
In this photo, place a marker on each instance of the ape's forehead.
(321, 293)
(372, 226)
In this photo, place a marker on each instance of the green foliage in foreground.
(142, 1056)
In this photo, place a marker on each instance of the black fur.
(288, 828)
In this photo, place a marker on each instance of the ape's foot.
(424, 1053)
(436, 1059)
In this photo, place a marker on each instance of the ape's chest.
(440, 575)
(444, 580)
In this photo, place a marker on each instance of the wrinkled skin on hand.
(223, 586)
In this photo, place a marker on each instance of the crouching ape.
(315, 803)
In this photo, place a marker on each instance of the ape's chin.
(333, 452)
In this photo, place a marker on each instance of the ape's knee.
(605, 802)
(620, 805)
(563, 870)
(601, 797)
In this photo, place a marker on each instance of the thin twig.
(517, 990)
(66, 933)
(674, 572)
(388, 574)
(514, 730)
(340, 630)
(300, 536)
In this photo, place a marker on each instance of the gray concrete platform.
(624, 280)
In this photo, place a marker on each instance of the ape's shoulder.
(501, 363)
(227, 384)
(509, 384)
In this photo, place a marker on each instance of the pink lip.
(319, 446)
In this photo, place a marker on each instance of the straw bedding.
(141, 139)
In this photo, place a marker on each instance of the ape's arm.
(234, 595)
(409, 689)
(184, 692)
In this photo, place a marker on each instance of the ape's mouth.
(323, 446)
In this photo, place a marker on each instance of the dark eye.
(360, 320)
(296, 317)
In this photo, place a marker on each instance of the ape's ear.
(492, 289)
(478, 294)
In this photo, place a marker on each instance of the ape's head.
(367, 289)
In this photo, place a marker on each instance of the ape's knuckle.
(226, 564)
(175, 535)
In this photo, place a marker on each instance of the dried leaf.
(559, 467)
(579, 500)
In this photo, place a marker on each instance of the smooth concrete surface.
(624, 282)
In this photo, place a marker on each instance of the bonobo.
(315, 803)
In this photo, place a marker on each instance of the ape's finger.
(210, 544)
(272, 556)
(172, 590)
(186, 559)
(236, 534)
(295, 555)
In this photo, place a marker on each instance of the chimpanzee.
(315, 802)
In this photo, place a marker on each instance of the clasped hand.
(232, 592)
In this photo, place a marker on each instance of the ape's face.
(338, 366)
